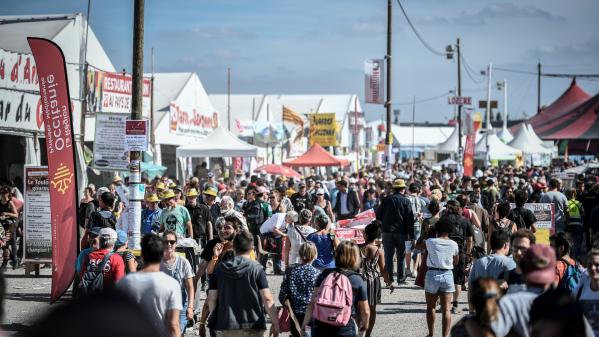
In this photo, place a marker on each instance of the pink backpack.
(334, 300)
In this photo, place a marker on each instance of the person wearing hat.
(397, 224)
(150, 215)
(175, 217)
(91, 237)
(209, 196)
(113, 267)
(121, 247)
(347, 204)
(200, 218)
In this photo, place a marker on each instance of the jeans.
(392, 243)
(325, 330)
(183, 313)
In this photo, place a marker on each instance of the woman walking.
(322, 205)
(373, 266)
(179, 269)
(298, 284)
(296, 235)
(443, 255)
(325, 242)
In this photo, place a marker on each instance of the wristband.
(214, 258)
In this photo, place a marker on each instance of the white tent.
(220, 143)
(533, 134)
(525, 141)
(450, 145)
(497, 149)
(505, 135)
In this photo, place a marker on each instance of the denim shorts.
(439, 281)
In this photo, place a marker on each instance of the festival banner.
(18, 71)
(37, 227)
(190, 121)
(471, 127)
(112, 92)
(374, 81)
(545, 214)
(324, 129)
(20, 111)
(54, 92)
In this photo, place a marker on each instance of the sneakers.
(454, 310)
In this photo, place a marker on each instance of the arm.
(286, 251)
(13, 211)
(384, 272)
(189, 229)
(173, 323)
(191, 296)
(278, 232)
(456, 259)
(309, 309)
(132, 265)
(210, 230)
(201, 270)
(269, 306)
(211, 301)
(364, 310)
(475, 219)
(469, 245)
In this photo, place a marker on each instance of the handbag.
(284, 319)
(422, 271)
(269, 242)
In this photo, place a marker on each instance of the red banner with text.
(54, 92)
(472, 124)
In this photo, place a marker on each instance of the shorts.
(439, 281)
(408, 247)
(459, 271)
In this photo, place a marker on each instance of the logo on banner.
(374, 78)
(62, 178)
(190, 122)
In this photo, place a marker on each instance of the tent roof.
(316, 156)
(497, 149)
(571, 98)
(524, 141)
(580, 123)
(424, 136)
(167, 86)
(220, 143)
(505, 135)
(15, 29)
(450, 145)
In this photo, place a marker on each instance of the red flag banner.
(471, 127)
(56, 109)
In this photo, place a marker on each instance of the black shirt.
(200, 215)
(527, 215)
(462, 229)
(301, 201)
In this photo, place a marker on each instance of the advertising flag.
(56, 110)
(470, 127)
(374, 81)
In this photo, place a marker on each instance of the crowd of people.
(445, 233)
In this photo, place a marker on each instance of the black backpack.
(516, 216)
(92, 281)
(254, 213)
(97, 220)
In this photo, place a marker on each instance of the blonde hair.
(347, 255)
(308, 251)
(484, 298)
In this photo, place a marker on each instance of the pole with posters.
(60, 143)
(388, 135)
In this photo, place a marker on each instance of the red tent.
(278, 170)
(580, 123)
(316, 156)
(570, 99)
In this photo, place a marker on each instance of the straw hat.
(152, 198)
(399, 183)
(192, 192)
(210, 190)
(168, 194)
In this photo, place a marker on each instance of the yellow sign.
(62, 178)
(324, 129)
(380, 147)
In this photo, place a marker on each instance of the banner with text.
(56, 107)
(21, 111)
(111, 92)
(109, 145)
(18, 71)
(374, 81)
(37, 226)
(471, 125)
(324, 129)
(189, 121)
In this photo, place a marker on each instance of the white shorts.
(408, 247)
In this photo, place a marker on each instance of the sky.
(319, 46)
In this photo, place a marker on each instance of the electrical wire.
(428, 46)
(422, 100)
(470, 72)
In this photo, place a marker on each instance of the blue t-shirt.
(493, 265)
(150, 221)
(326, 251)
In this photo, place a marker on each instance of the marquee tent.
(505, 135)
(580, 123)
(219, 143)
(450, 145)
(497, 149)
(571, 98)
(317, 156)
(524, 141)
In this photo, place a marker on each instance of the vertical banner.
(37, 225)
(374, 81)
(56, 109)
(471, 125)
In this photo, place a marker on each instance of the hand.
(190, 313)
(218, 249)
(503, 285)
(202, 330)
(274, 330)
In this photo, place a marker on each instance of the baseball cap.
(262, 189)
(302, 184)
(210, 174)
(95, 231)
(121, 238)
(538, 264)
(320, 191)
(108, 232)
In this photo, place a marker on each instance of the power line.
(470, 72)
(422, 100)
(581, 76)
(431, 49)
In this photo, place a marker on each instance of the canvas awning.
(525, 142)
(580, 123)
(220, 143)
(497, 149)
(317, 156)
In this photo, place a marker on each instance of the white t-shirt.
(277, 220)
(156, 292)
(296, 241)
(441, 253)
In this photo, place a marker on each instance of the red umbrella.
(281, 170)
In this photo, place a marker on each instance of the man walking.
(157, 293)
(239, 294)
(347, 204)
(397, 218)
(560, 201)
(175, 217)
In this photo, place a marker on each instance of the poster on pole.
(324, 129)
(136, 135)
(111, 92)
(374, 81)
(109, 145)
(37, 226)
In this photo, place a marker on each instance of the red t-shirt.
(114, 270)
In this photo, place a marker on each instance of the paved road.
(401, 313)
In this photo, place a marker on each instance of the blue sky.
(318, 46)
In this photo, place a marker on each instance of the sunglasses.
(171, 242)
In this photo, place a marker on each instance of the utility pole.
(136, 188)
(388, 136)
(488, 117)
(460, 147)
(539, 87)
(152, 135)
(413, 130)
(229, 98)
(504, 104)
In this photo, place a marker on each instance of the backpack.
(487, 199)
(97, 220)
(254, 213)
(571, 278)
(334, 300)
(92, 281)
(516, 216)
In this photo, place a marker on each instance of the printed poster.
(37, 226)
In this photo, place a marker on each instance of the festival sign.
(109, 145)
(324, 129)
(18, 71)
(111, 92)
(37, 226)
(56, 107)
(374, 81)
(471, 127)
(21, 111)
(545, 214)
(189, 121)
